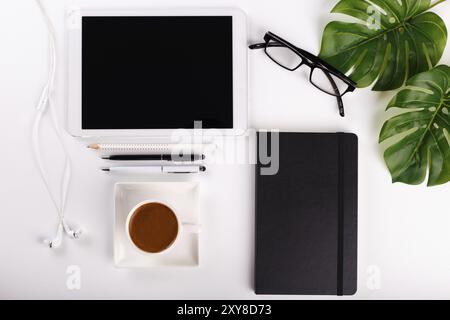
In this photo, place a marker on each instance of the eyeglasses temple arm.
(338, 94)
(340, 106)
(263, 45)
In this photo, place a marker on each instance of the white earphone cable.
(46, 102)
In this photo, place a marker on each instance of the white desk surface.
(403, 230)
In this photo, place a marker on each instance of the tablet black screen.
(157, 72)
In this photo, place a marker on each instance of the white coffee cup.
(183, 227)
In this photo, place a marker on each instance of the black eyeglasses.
(322, 76)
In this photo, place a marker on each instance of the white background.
(403, 230)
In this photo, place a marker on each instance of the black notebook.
(306, 215)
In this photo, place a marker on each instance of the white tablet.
(148, 72)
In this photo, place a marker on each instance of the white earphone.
(57, 239)
(45, 102)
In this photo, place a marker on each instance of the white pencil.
(156, 169)
(146, 147)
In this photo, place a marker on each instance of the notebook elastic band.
(340, 248)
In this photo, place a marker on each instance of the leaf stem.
(436, 3)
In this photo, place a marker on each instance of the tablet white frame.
(74, 70)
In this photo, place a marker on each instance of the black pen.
(155, 157)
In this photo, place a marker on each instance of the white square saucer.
(182, 197)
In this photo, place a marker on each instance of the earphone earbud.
(57, 240)
(70, 232)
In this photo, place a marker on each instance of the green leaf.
(422, 131)
(391, 41)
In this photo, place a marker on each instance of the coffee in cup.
(153, 227)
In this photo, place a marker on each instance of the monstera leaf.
(391, 41)
(423, 131)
